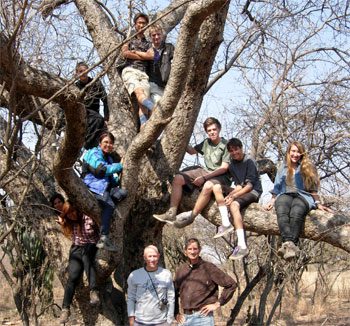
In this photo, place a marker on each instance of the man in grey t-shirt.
(216, 159)
(151, 296)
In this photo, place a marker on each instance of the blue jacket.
(280, 185)
(104, 167)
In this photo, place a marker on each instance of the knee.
(207, 187)
(235, 208)
(178, 180)
(217, 189)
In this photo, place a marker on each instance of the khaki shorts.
(156, 92)
(134, 78)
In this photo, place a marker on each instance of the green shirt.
(214, 155)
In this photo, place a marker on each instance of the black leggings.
(80, 258)
(291, 210)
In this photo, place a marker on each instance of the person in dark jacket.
(197, 285)
(159, 68)
(101, 176)
(95, 92)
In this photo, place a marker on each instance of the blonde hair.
(307, 169)
(155, 27)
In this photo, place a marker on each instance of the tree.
(36, 89)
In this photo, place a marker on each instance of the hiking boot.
(168, 217)
(291, 250)
(184, 219)
(64, 315)
(94, 297)
(239, 253)
(223, 230)
(106, 243)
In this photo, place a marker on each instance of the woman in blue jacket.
(101, 176)
(294, 195)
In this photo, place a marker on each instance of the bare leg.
(218, 194)
(236, 215)
(143, 99)
(204, 198)
(176, 190)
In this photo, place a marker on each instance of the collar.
(195, 266)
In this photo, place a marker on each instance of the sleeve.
(96, 161)
(223, 280)
(277, 187)
(177, 294)
(131, 302)
(171, 300)
(252, 172)
(199, 147)
(226, 155)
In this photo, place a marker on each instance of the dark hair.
(141, 14)
(81, 63)
(192, 240)
(106, 134)
(54, 197)
(210, 121)
(234, 142)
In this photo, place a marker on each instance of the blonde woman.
(294, 195)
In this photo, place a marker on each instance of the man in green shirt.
(216, 159)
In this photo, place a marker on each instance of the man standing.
(151, 293)
(216, 159)
(138, 53)
(196, 283)
(248, 189)
(159, 69)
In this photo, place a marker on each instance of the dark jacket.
(94, 93)
(159, 69)
(197, 285)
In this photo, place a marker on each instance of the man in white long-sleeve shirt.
(151, 296)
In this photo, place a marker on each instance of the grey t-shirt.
(143, 302)
(214, 155)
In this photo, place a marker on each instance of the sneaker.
(282, 250)
(106, 243)
(239, 253)
(168, 217)
(291, 251)
(64, 315)
(94, 297)
(223, 230)
(184, 219)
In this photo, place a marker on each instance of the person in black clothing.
(96, 124)
(159, 69)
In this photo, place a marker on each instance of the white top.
(143, 302)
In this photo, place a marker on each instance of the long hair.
(68, 224)
(307, 169)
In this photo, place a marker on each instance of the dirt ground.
(332, 310)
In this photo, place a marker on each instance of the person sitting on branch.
(216, 159)
(100, 174)
(294, 194)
